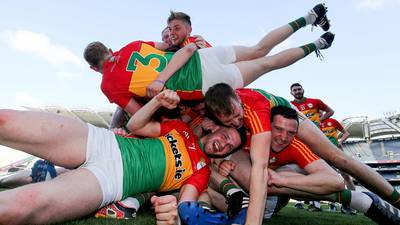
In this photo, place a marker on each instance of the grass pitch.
(287, 216)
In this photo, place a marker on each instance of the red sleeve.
(256, 117)
(321, 104)
(199, 179)
(167, 126)
(302, 155)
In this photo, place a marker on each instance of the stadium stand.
(97, 118)
(377, 143)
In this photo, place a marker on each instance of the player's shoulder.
(296, 144)
(248, 95)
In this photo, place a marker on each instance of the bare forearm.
(258, 194)
(143, 116)
(177, 61)
(318, 183)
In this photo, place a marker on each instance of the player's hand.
(274, 179)
(226, 167)
(168, 98)
(210, 125)
(119, 131)
(154, 88)
(166, 209)
(200, 42)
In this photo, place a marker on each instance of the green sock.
(205, 205)
(308, 48)
(226, 187)
(395, 198)
(344, 197)
(297, 24)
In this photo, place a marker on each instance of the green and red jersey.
(295, 153)
(257, 106)
(129, 71)
(330, 127)
(165, 163)
(310, 107)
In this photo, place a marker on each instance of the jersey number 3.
(145, 61)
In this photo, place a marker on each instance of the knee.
(259, 50)
(11, 214)
(18, 208)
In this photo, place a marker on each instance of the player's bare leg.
(321, 146)
(63, 198)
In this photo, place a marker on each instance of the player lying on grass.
(299, 173)
(112, 167)
(251, 108)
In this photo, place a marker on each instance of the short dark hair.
(95, 52)
(286, 112)
(179, 16)
(218, 99)
(295, 84)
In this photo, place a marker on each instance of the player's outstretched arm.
(177, 61)
(259, 153)
(142, 124)
(321, 179)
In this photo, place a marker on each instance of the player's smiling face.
(179, 31)
(222, 142)
(283, 131)
(166, 36)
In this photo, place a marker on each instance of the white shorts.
(103, 159)
(217, 65)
